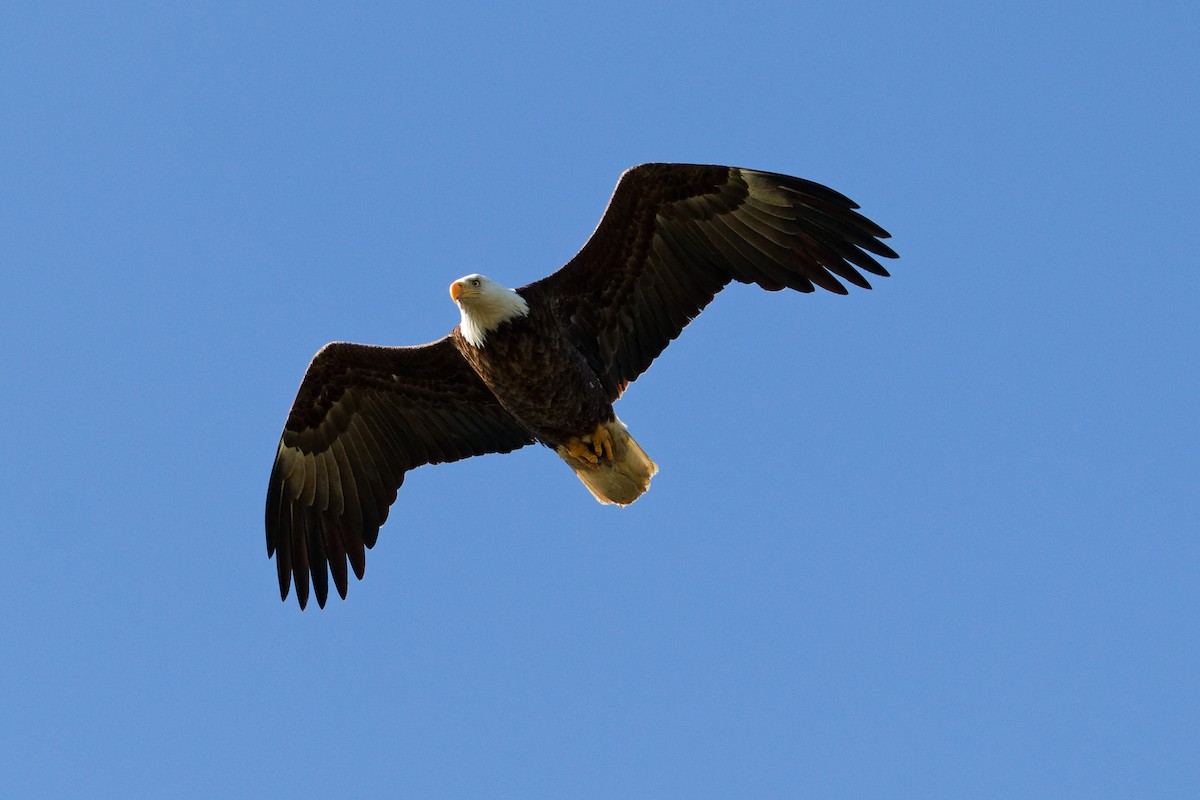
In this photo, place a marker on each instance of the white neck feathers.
(485, 311)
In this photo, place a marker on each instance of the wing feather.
(351, 507)
(283, 550)
(363, 417)
(300, 555)
(674, 235)
(380, 440)
(321, 496)
(335, 551)
(318, 565)
(370, 482)
(308, 488)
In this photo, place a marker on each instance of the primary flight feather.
(544, 363)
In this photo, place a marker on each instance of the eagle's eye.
(474, 281)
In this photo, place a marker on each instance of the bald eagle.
(544, 363)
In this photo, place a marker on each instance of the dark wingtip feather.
(341, 577)
(881, 249)
(283, 567)
(318, 565)
(300, 567)
(274, 495)
(358, 560)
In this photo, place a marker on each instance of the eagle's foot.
(599, 448)
(580, 450)
(602, 444)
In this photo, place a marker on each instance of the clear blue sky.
(937, 540)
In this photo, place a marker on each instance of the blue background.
(934, 540)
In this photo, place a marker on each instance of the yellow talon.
(602, 443)
(578, 449)
(591, 449)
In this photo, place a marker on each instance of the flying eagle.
(544, 363)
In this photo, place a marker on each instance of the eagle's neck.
(488, 311)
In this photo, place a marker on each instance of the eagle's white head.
(484, 305)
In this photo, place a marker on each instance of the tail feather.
(620, 480)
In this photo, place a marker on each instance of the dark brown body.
(539, 377)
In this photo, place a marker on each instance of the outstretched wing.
(675, 234)
(363, 417)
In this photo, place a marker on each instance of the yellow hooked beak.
(456, 290)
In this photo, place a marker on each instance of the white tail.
(620, 480)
